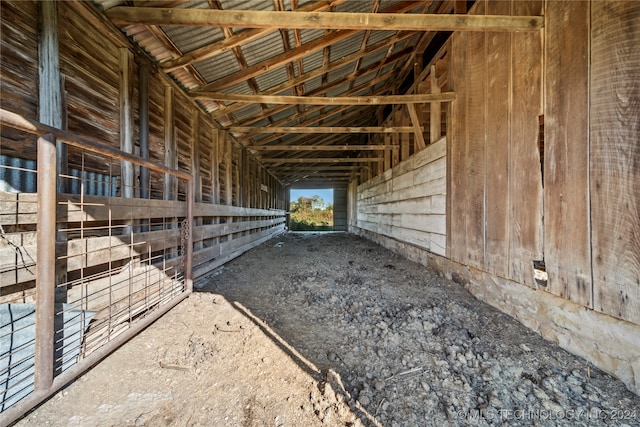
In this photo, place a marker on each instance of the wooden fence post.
(46, 265)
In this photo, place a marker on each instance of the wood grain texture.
(566, 152)
(615, 158)
(313, 20)
(457, 240)
(474, 160)
(408, 202)
(19, 51)
(92, 81)
(525, 180)
(498, 105)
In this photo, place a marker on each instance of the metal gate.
(86, 261)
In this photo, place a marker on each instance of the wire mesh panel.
(122, 256)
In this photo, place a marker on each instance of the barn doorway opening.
(311, 209)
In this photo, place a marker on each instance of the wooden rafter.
(316, 20)
(322, 147)
(321, 90)
(321, 129)
(319, 72)
(239, 38)
(294, 54)
(312, 160)
(323, 100)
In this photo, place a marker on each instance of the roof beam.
(312, 160)
(321, 129)
(298, 52)
(322, 168)
(323, 100)
(124, 15)
(322, 147)
(319, 72)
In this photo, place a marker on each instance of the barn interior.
(144, 144)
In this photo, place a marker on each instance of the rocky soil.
(411, 346)
(330, 329)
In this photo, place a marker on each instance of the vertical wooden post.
(170, 149)
(50, 99)
(188, 247)
(126, 120)
(51, 111)
(215, 156)
(228, 184)
(143, 94)
(245, 181)
(196, 183)
(46, 265)
(436, 109)
(170, 188)
(228, 160)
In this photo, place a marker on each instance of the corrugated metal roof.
(272, 78)
(263, 48)
(192, 38)
(223, 64)
(346, 47)
(340, 72)
(251, 110)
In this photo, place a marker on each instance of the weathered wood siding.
(19, 78)
(184, 137)
(566, 176)
(576, 85)
(614, 157)
(407, 202)
(496, 182)
(591, 174)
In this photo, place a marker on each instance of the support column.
(143, 95)
(46, 265)
(126, 120)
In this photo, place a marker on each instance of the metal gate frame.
(45, 383)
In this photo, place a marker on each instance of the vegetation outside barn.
(311, 214)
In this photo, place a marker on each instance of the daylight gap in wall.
(311, 209)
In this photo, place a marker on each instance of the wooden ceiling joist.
(322, 147)
(324, 100)
(323, 168)
(317, 73)
(321, 129)
(312, 160)
(238, 39)
(123, 15)
(297, 53)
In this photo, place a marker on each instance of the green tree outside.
(310, 214)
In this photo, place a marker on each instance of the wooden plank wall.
(496, 181)
(591, 178)
(18, 93)
(407, 202)
(90, 66)
(567, 249)
(614, 154)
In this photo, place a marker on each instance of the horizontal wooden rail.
(207, 209)
(16, 121)
(21, 208)
(216, 230)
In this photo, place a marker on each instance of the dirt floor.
(330, 329)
